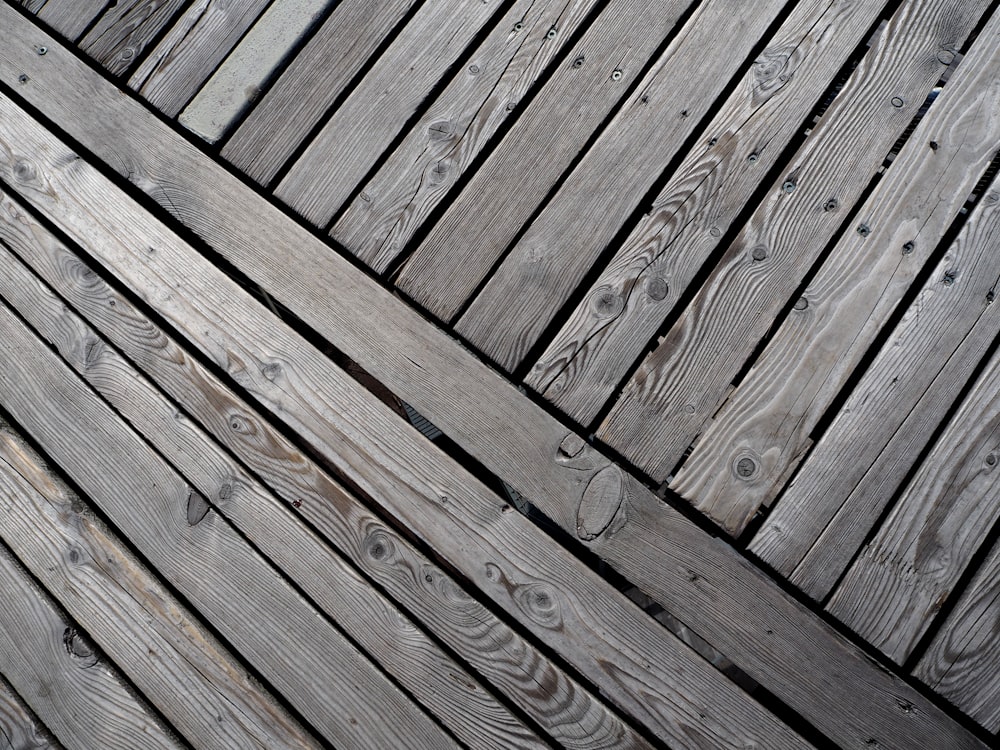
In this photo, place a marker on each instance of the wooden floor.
(499, 374)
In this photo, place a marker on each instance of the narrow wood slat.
(69, 17)
(623, 310)
(809, 360)
(643, 668)
(125, 29)
(390, 637)
(200, 39)
(963, 661)
(475, 230)
(542, 459)
(332, 684)
(908, 570)
(678, 387)
(878, 435)
(559, 704)
(32, 6)
(362, 127)
(160, 646)
(20, 728)
(379, 223)
(72, 686)
(317, 77)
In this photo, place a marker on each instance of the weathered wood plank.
(448, 690)
(875, 440)
(363, 126)
(678, 387)
(462, 247)
(623, 310)
(79, 694)
(161, 647)
(70, 17)
(963, 661)
(125, 29)
(316, 78)
(237, 82)
(657, 548)
(560, 705)
(643, 668)
(908, 570)
(32, 6)
(769, 417)
(329, 681)
(200, 39)
(20, 728)
(379, 223)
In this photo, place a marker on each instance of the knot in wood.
(24, 171)
(657, 288)
(759, 253)
(271, 371)
(746, 467)
(770, 72)
(379, 546)
(801, 303)
(601, 507)
(440, 130)
(197, 508)
(606, 302)
(78, 645)
(538, 602)
(572, 445)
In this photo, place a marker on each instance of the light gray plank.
(20, 728)
(200, 39)
(317, 76)
(70, 17)
(473, 233)
(125, 29)
(379, 223)
(543, 690)
(656, 548)
(33, 6)
(677, 388)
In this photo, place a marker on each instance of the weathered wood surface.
(643, 668)
(473, 233)
(195, 45)
(125, 29)
(622, 311)
(20, 728)
(878, 435)
(511, 663)
(362, 127)
(769, 417)
(678, 387)
(452, 694)
(378, 224)
(656, 548)
(238, 81)
(70, 17)
(162, 648)
(316, 78)
(32, 5)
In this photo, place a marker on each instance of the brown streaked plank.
(125, 29)
(69, 17)
(378, 224)
(20, 728)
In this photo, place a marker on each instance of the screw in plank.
(41, 50)
(908, 248)
(616, 74)
(897, 102)
(864, 230)
(991, 459)
(474, 69)
(789, 186)
(23, 78)
(949, 278)
(934, 145)
(552, 33)
(831, 205)
(713, 142)
(578, 62)
(518, 26)
(753, 157)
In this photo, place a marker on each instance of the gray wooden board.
(963, 661)
(70, 17)
(319, 74)
(448, 690)
(742, 609)
(907, 572)
(622, 311)
(875, 440)
(363, 126)
(475, 230)
(561, 244)
(642, 667)
(195, 45)
(379, 223)
(680, 385)
(819, 345)
(124, 30)
(80, 695)
(20, 728)
(33, 6)
(574, 718)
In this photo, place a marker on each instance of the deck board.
(20, 728)
(125, 29)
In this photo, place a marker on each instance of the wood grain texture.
(479, 224)
(875, 440)
(963, 661)
(200, 39)
(623, 310)
(471, 403)
(69, 18)
(362, 127)
(908, 570)
(332, 684)
(125, 29)
(571, 716)
(392, 639)
(32, 6)
(161, 647)
(315, 79)
(416, 177)
(808, 361)
(643, 668)
(681, 384)
(20, 728)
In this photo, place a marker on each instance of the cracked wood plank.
(125, 29)
(20, 728)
